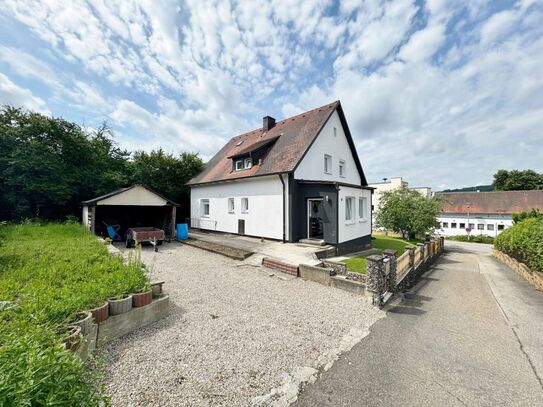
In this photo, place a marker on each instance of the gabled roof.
(290, 140)
(122, 190)
(498, 202)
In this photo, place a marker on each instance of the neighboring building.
(485, 213)
(299, 178)
(389, 185)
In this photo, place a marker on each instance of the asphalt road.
(470, 333)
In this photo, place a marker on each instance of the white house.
(484, 213)
(299, 178)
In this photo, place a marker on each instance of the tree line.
(49, 165)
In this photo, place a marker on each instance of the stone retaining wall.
(118, 325)
(533, 277)
(327, 276)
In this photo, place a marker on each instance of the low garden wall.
(533, 277)
(385, 274)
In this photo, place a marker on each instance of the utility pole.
(468, 229)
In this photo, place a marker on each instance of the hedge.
(524, 242)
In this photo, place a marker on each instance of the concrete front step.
(280, 266)
(313, 242)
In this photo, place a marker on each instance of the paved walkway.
(293, 253)
(470, 333)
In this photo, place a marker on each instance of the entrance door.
(315, 213)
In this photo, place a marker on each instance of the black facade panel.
(299, 193)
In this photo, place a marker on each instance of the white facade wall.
(358, 227)
(85, 217)
(264, 217)
(312, 166)
(495, 220)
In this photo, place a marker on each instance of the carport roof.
(123, 190)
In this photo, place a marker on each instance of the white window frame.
(349, 220)
(327, 164)
(480, 226)
(362, 207)
(247, 163)
(204, 203)
(240, 166)
(231, 205)
(245, 205)
(342, 168)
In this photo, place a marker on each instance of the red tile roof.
(498, 202)
(293, 137)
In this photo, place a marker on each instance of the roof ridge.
(289, 118)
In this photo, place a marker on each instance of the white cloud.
(11, 94)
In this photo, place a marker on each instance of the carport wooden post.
(92, 209)
(174, 214)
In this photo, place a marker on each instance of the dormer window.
(248, 163)
(239, 165)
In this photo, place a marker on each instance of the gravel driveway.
(236, 334)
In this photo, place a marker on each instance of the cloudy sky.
(440, 92)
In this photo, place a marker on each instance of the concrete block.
(354, 287)
(315, 273)
(118, 325)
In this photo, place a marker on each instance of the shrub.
(520, 216)
(524, 242)
(473, 238)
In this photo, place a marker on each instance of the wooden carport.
(130, 207)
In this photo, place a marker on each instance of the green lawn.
(358, 264)
(48, 273)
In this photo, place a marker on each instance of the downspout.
(284, 211)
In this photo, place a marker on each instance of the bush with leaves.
(520, 216)
(524, 242)
(408, 212)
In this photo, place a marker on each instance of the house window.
(205, 207)
(453, 225)
(471, 226)
(239, 165)
(349, 209)
(342, 168)
(327, 164)
(362, 209)
(231, 205)
(244, 205)
(500, 227)
(462, 226)
(490, 226)
(480, 226)
(248, 163)
(445, 225)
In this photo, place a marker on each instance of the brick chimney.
(268, 123)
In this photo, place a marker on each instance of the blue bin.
(182, 231)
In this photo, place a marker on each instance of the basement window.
(453, 225)
(500, 227)
(480, 226)
(445, 225)
(490, 226)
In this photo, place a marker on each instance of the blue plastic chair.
(112, 231)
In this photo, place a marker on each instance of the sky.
(441, 92)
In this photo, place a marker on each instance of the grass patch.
(358, 264)
(48, 273)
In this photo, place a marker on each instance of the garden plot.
(236, 334)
